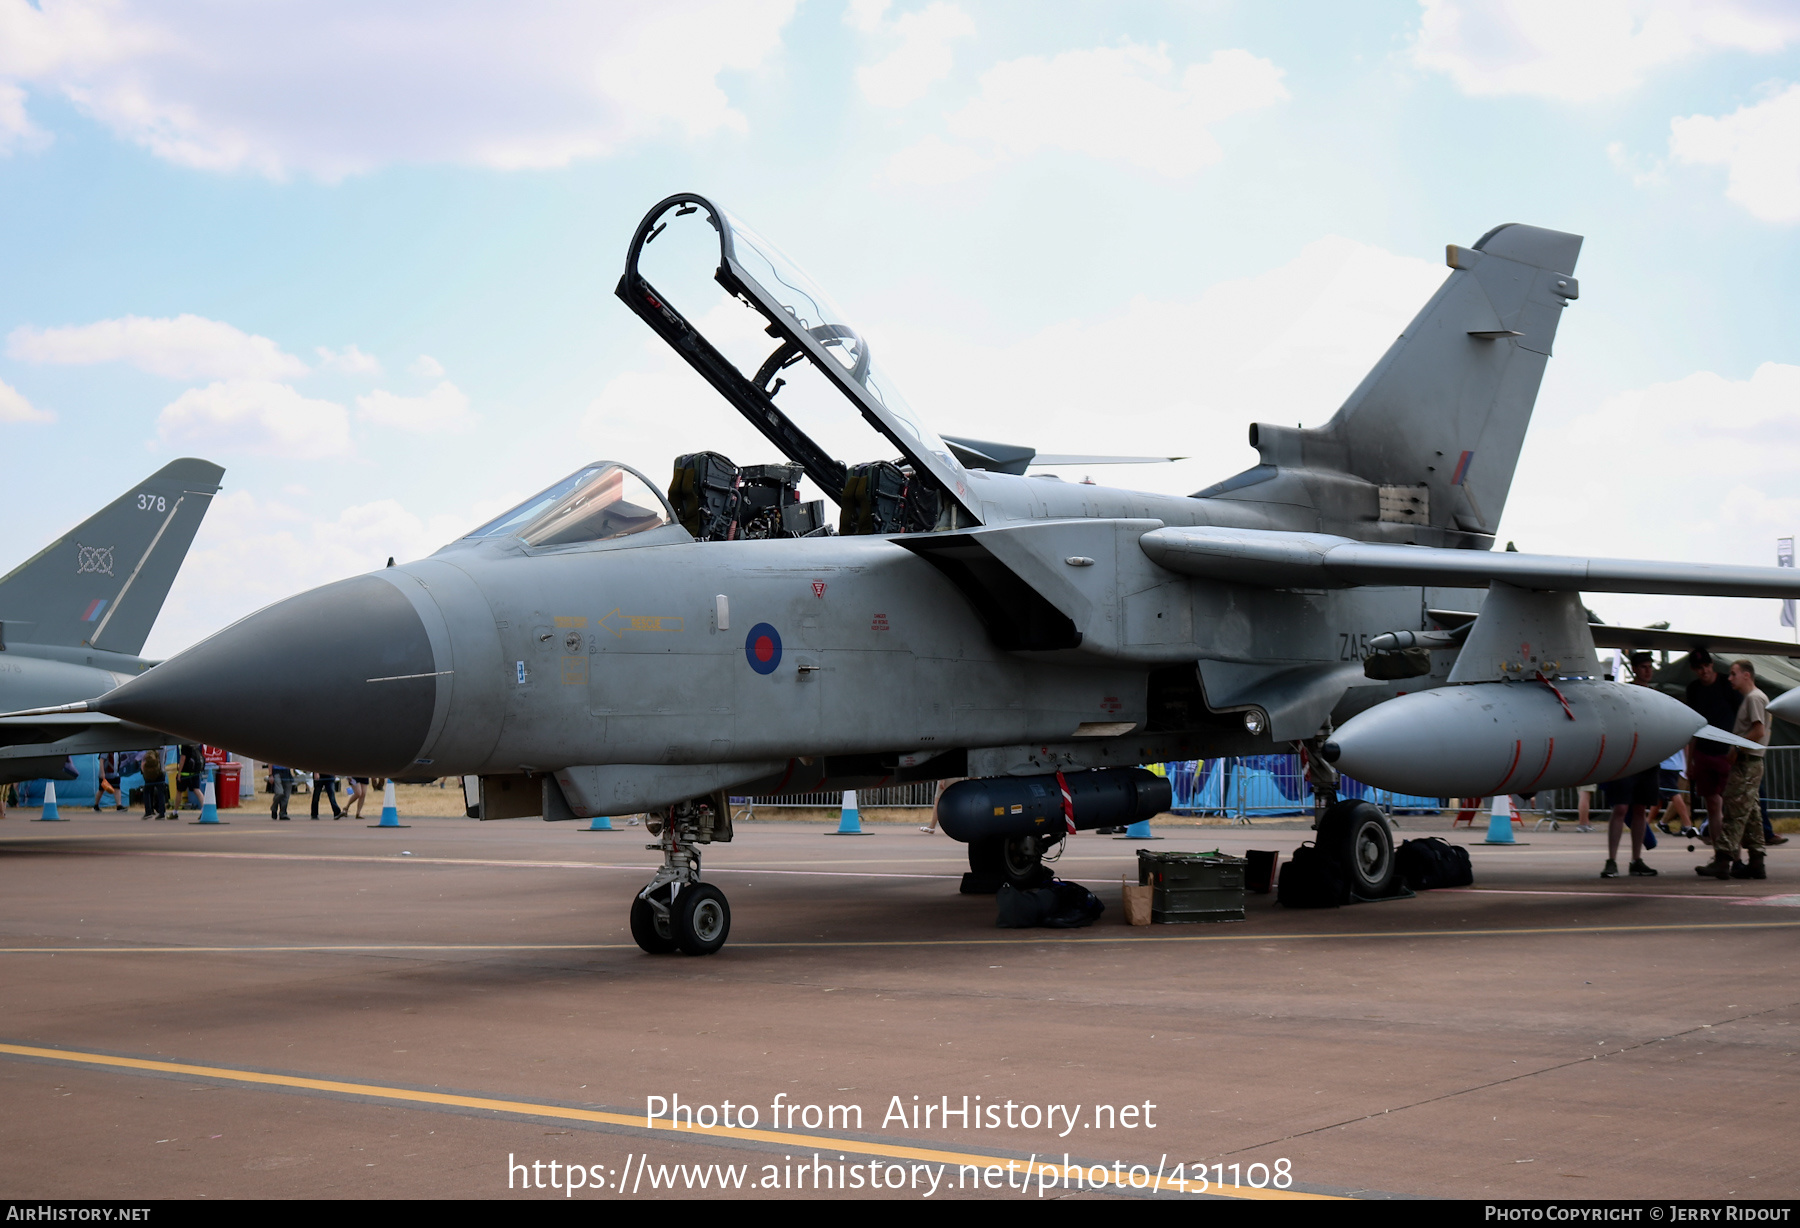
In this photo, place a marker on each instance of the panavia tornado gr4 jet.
(602, 649)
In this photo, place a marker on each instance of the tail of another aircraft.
(1437, 425)
(103, 583)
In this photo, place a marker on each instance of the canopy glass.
(808, 326)
(598, 502)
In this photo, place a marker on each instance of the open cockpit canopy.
(807, 328)
(597, 502)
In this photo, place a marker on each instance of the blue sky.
(362, 255)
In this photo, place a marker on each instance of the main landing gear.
(676, 911)
(1358, 835)
(1017, 860)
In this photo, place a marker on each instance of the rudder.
(1438, 423)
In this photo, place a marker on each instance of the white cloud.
(255, 416)
(444, 408)
(15, 408)
(934, 161)
(1592, 49)
(1698, 469)
(348, 361)
(252, 551)
(1119, 104)
(922, 57)
(186, 347)
(427, 366)
(16, 129)
(344, 86)
(1181, 376)
(1758, 145)
(1654, 175)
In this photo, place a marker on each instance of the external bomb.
(1011, 806)
(1512, 737)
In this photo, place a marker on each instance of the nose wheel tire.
(701, 919)
(1357, 834)
(651, 931)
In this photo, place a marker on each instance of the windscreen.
(602, 501)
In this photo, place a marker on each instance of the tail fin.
(1438, 423)
(102, 584)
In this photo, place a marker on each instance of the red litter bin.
(226, 785)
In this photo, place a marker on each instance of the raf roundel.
(762, 648)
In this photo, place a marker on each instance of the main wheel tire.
(986, 856)
(1357, 834)
(650, 931)
(702, 919)
(1022, 862)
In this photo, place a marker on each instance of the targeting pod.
(992, 806)
(1512, 737)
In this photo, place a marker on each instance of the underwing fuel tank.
(1512, 737)
(1033, 805)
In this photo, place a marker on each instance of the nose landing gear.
(676, 911)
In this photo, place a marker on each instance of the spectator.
(156, 783)
(1709, 763)
(1770, 835)
(1583, 806)
(192, 775)
(282, 781)
(358, 793)
(106, 780)
(1671, 775)
(1743, 817)
(327, 785)
(1631, 797)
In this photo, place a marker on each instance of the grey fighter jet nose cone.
(339, 679)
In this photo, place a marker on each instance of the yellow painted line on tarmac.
(526, 1108)
(1038, 940)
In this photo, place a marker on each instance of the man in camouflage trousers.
(1743, 817)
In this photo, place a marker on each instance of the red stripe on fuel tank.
(1594, 766)
(1512, 767)
(1548, 752)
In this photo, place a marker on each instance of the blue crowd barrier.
(1265, 785)
(81, 790)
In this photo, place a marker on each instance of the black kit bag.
(1074, 906)
(1312, 879)
(1056, 905)
(1021, 910)
(1432, 862)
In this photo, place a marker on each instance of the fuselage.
(494, 656)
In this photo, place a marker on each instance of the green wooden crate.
(1192, 887)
